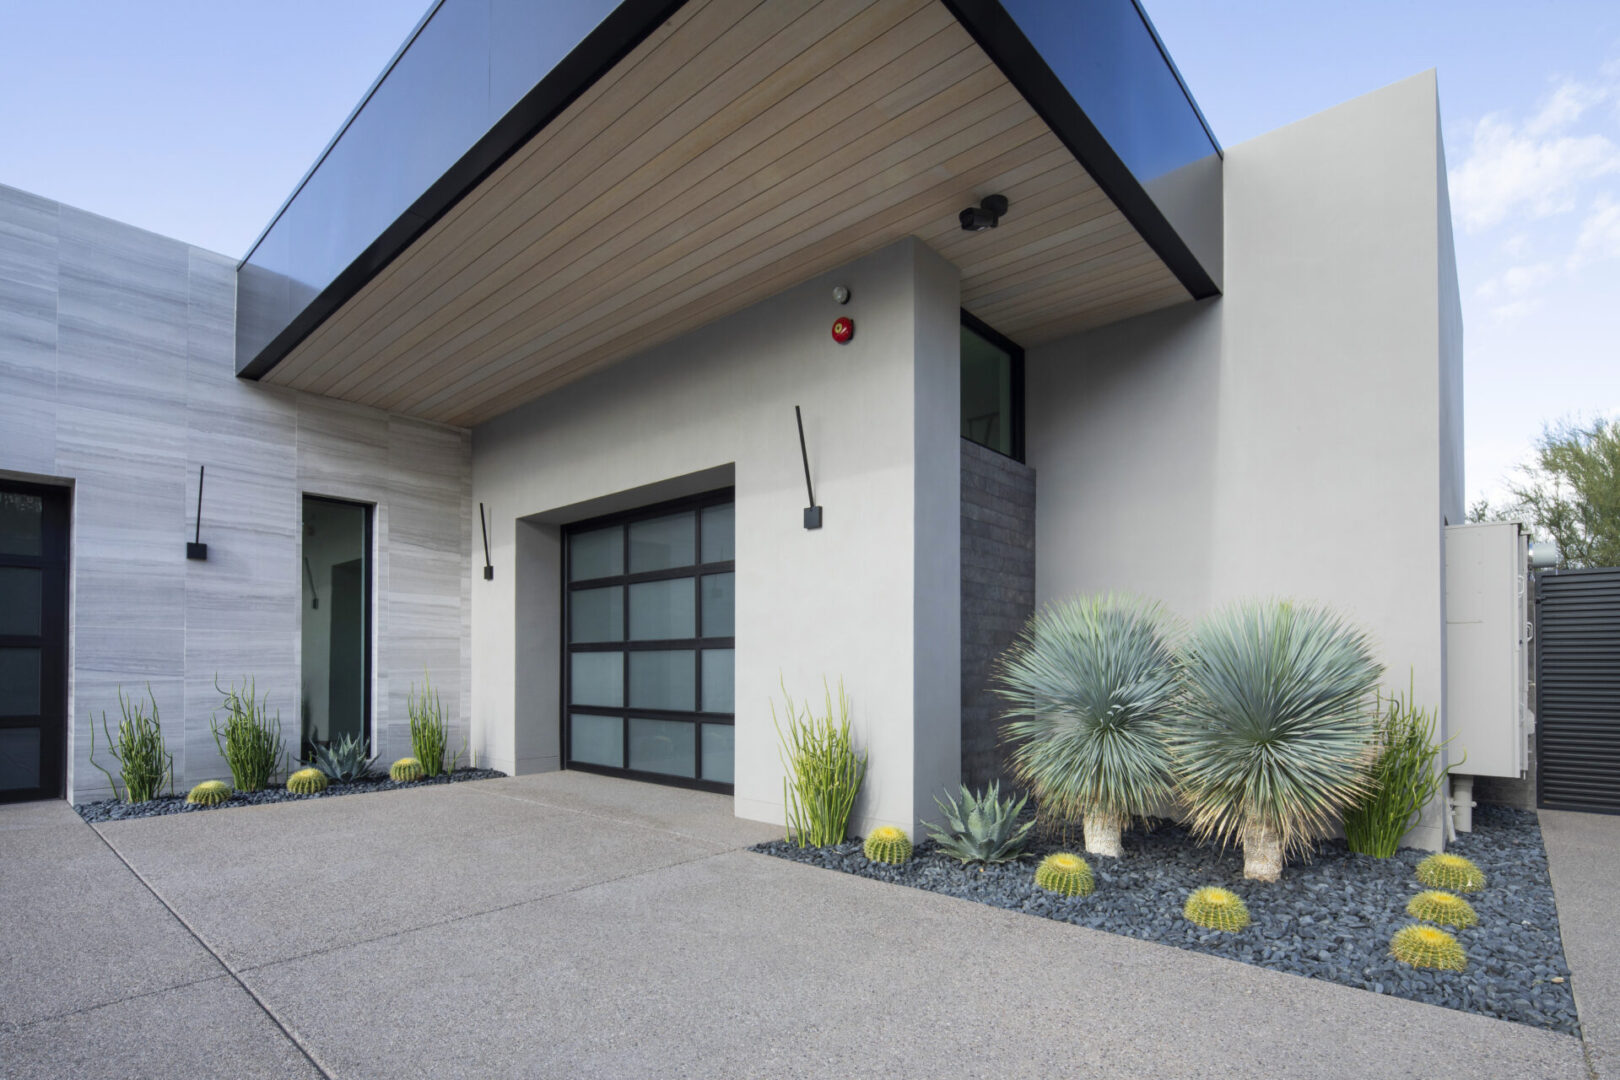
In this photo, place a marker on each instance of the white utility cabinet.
(1487, 649)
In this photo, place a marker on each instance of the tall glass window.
(648, 660)
(335, 698)
(992, 389)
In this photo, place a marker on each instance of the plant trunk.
(1102, 835)
(1262, 852)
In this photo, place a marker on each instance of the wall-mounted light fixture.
(986, 215)
(812, 513)
(489, 569)
(196, 549)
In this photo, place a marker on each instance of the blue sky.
(196, 119)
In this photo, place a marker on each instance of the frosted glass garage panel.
(596, 740)
(719, 675)
(596, 614)
(719, 750)
(663, 746)
(596, 554)
(663, 543)
(596, 678)
(663, 610)
(720, 533)
(663, 680)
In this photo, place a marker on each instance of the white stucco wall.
(1299, 436)
(872, 597)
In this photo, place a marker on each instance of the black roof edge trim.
(999, 36)
(613, 39)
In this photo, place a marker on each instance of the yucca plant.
(249, 740)
(981, 828)
(144, 762)
(1089, 686)
(1402, 779)
(344, 759)
(824, 773)
(430, 731)
(1276, 730)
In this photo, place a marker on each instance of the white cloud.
(1539, 167)
(1511, 293)
(1599, 238)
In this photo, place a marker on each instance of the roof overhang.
(686, 160)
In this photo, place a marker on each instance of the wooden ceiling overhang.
(739, 148)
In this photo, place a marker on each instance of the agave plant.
(981, 829)
(344, 759)
(1089, 685)
(1277, 728)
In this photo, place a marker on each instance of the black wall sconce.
(812, 513)
(489, 570)
(987, 215)
(196, 549)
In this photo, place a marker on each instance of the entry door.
(336, 625)
(647, 670)
(33, 640)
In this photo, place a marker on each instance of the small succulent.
(1427, 947)
(1453, 872)
(981, 829)
(887, 844)
(209, 793)
(307, 782)
(344, 759)
(1065, 874)
(1217, 909)
(406, 770)
(1447, 909)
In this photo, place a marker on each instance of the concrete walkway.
(573, 926)
(1583, 855)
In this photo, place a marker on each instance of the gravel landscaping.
(1330, 918)
(113, 810)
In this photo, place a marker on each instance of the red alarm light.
(843, 329)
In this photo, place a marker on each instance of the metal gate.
(1578, 690)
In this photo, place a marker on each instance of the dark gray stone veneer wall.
(998, 592)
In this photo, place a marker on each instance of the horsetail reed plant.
(248, 739)
(1403, 777)
(144, 762)
(824, 772)
(430, 733)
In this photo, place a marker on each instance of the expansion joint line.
(264, 1006)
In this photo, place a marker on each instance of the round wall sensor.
(840, 294)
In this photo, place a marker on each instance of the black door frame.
(52, 639)
(369, 578)
(695, 503)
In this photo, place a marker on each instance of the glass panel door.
(335, 694)
(647, 667)
(33, 640)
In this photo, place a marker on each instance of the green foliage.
(981, 829)
(824, 772)
(407, 770)
(1447, 909)
(1572, 492)
(887, 844)
(249, 740)
(343, 760)
(1453, 872)
(430, 731)
(209, 793)
(1403, 778)
(307, 782)
(1427, 947)
(1216, 909)
(1065, 874)
(144, 762)
(1276, 722)
(1089, 686)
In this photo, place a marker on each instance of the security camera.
(987, 215)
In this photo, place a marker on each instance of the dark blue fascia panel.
(475, 81)
(479, 78)
(1097, 73)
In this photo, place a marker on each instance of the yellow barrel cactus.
(406, 770)
(307, 782)
(887, 844)
(1447, 909)
(1217, 909)
(209, 793)
(1427, 947)
(1065, 874)
(1453, 872)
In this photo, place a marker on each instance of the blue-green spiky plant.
(344, 759)
(1427, 947)
(1447, 909)
(1216, 909)
(307, 782)
(209, 793)
(981, 829)
(1089, 687)
(1065, 874)
(406, 770)
(887, 844)
(1446, 871)
(1276, 727)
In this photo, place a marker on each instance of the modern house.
(508, 395)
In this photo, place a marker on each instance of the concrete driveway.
(574, 926)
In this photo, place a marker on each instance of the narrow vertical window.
(336, 625)
(992, 389)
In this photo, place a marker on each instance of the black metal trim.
(52, 721)
(1015, 351)
(999, 36)
(627, 27)
(667, 779)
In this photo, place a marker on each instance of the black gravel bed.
(113, 810)
(1328, 918)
